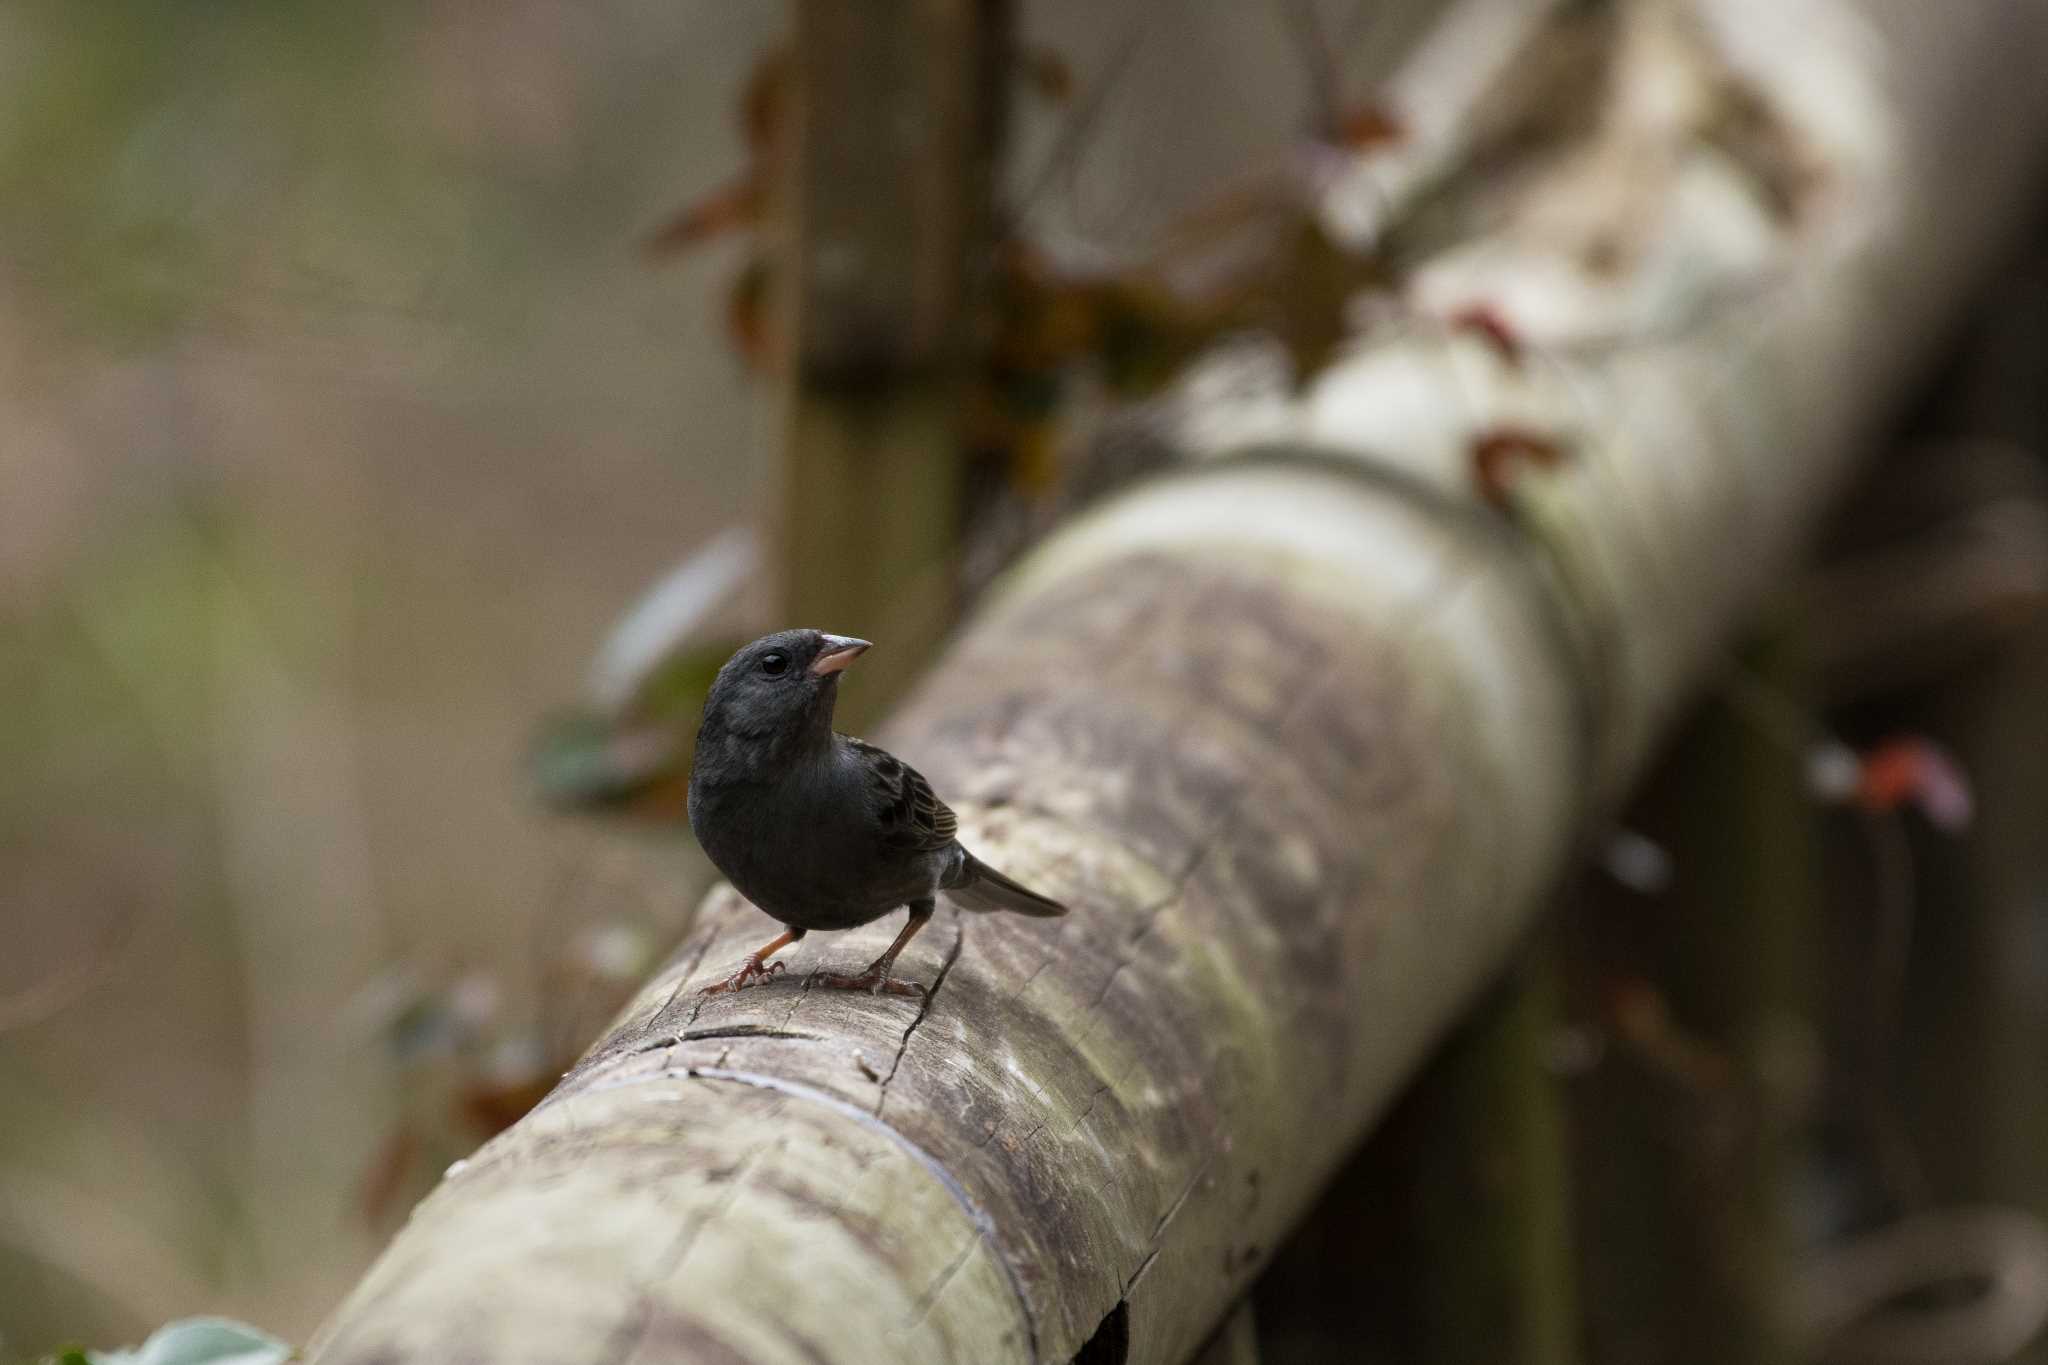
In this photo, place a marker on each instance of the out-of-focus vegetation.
(192, 1341)
(337, 417)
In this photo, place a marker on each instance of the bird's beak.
(839, 651)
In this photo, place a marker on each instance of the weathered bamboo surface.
(1303, 741)
(1235, 722)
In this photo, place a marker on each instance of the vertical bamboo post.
(1489, 1208)
(1452, 1225)
(1978, 1042)
(1980, 1050)
(1691, 1117)
(899, 115)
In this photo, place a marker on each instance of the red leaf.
(1911, 768)
(1496, 330)
(1498, 455)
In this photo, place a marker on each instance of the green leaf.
(672, 622)
(194, 1341)
(632, 736)
(587, 761)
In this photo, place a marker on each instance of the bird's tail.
(981, 887)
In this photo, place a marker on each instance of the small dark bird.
(821, 830)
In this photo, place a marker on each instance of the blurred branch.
(292, 816)
(1948, 557)
(1846, 1298)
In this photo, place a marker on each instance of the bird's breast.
(811, 861)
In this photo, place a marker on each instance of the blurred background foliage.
(340, 416)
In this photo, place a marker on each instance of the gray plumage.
(821, 830)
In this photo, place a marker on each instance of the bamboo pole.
(1303, 740)
(899, 116)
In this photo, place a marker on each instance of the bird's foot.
(875, 981)
(753, 968)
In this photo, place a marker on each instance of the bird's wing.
(913, 818)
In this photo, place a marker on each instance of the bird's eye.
(774, 664)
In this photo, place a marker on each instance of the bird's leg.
(757, 964)
(876, 978)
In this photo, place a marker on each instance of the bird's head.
(782, 686)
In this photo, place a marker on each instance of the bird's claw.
(749, 970)
(874, 981)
